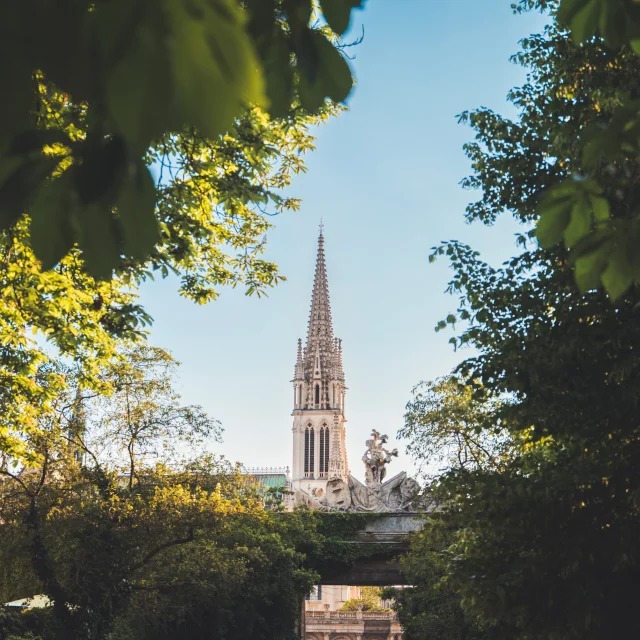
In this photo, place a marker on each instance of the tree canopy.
(447, 425)
(592, 212)
(135, 530)
(91, 86)
(545, 545)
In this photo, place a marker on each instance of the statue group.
(395, 495)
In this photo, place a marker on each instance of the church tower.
(319, 452)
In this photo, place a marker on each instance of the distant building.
(319, 450)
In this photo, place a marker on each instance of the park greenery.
(133, 529)
(116, 167)
(543, 544)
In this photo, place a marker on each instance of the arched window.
(317, 394)
(309, 451)
(324, 451)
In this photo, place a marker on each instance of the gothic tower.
(319, 452)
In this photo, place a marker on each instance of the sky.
(384, 179)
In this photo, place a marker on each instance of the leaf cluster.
(594, 214)
(543, 546)
(93, 85)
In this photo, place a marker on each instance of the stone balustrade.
(320, 617)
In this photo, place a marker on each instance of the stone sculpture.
(395, 495)
(376, 457)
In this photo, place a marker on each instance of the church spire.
(319, 451)
(320, 330)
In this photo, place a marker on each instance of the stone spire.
(299, 370)
(319, 450)
(320, 330)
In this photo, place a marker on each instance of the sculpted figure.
(376, 457)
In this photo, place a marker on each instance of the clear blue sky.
(384, 178)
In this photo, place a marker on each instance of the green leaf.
(334, 72)
(20, 185)
(580, 223)
(617, 277)
(589, 267)
(213, 64)
(613, 23)
(600, 208)
(278, 75)
(585, 21)
(554, 218)
(136, 213)
(311, 93)
(568, 9)
(50, 230)
(139, 92)
(15, 111)
(337, 13)
(98, 239)
(103, 164)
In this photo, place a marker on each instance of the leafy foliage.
(132, 530)
(215, 201)
(446, 424)
(94, 85)
(594, 212)
(369, 600)
(430, 607)
(545, 546)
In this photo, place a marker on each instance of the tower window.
(317, 394)
(309, 451)
(324, 451)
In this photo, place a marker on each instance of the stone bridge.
(391, 531)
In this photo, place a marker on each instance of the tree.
(125, 175)
(139, 538)
(446, 424)
(545, 547)
(369, 600)
(431, 607)
(93, 85)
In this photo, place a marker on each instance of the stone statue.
(376, 457)
(395, 495)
